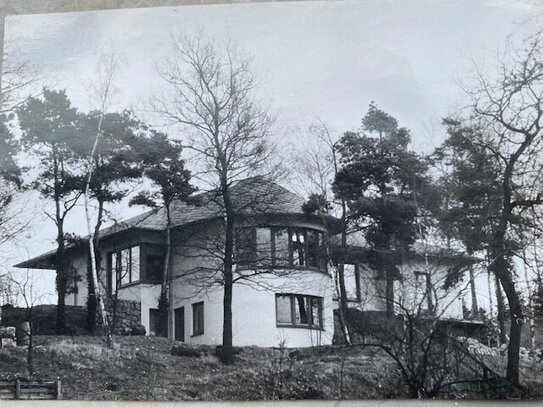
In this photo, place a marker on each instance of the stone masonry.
(128, 315)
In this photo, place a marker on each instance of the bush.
(138, 330)
(184, 350)
(285, 379)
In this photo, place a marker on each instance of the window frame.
(309, 311)
(288, 261)
(115, 269)
(195, 331)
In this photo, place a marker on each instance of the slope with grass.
(143, 368)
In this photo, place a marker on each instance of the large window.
(198, 318)
(280, 247)
(124, 267)
(298, 310)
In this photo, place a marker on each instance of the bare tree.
(25, 289)
(18, 76)
(102, 90)
(511, 108)
(317, 164)
(213, 100)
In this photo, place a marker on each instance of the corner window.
(280, 247)
(198, 318)
(123, 267)
(298, 310)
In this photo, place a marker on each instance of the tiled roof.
(250, 196)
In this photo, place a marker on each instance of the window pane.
(312, 248)
(300, 310)
(316, 311)
(263, 246)
(124, 270)
(135, 264)
(298, 255)
(284, 314)
(281, 255)
(198, 318)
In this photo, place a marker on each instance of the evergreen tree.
(50, 126)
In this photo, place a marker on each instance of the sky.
(314, 61)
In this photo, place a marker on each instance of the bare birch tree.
(102, 95)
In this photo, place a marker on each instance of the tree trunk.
(517, 319)
(61, 282)
(389, 294)
(501, 312)
(92, 303)
(92, 308)
(343, 304)
(164, 300)
(474, 305)
(227, 356)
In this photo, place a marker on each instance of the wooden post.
(17, 389)
(59, 390)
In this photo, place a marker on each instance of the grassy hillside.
(142, 368)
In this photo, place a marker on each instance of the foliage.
(163, 165)
(50, 128)
(382, 180)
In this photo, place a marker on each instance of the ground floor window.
(154, 321)
(198, 318)
(298, 310)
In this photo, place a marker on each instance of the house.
(381, 284)
(284, 291)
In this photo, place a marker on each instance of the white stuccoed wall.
(254, 314)
(253, 306)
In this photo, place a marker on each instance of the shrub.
(138, 330)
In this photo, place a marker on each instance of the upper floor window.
(124, 267)
(280, 246)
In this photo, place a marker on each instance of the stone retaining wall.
(128, 315)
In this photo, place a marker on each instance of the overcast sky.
(315, 60)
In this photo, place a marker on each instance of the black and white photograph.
(272, 200)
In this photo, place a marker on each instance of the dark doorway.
(179, 316)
